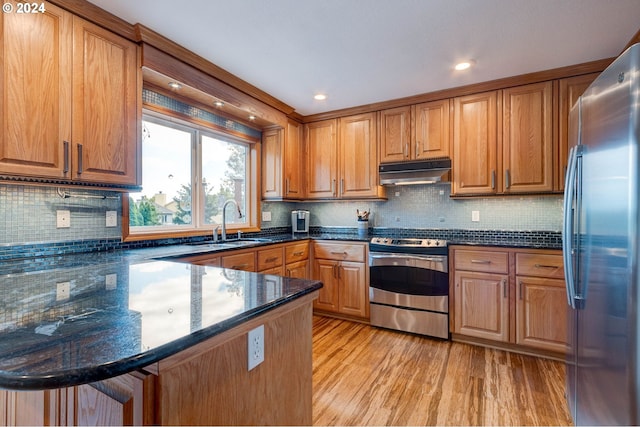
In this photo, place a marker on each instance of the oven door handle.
(438, 262)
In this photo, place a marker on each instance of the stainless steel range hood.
(416, 172)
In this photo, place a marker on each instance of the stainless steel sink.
(231, 243)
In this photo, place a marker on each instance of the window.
(188, 173)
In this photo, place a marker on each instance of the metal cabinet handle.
(272, 259)
(338, 253)
(79, 159)
(507, 179)
(406, 149)
(493, 179)
(288, 273)
(545, 266)
(235, 267)
(417, 149)
(342, 186)
(298, 253)
(480, 261)
(520, 290)
(333, 187)
(286, 187)
(65, 169)
(340, 274)
(335, 275)
(504, 288)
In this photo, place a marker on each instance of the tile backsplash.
(28, 213)
(429, 206)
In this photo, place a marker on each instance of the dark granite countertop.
(123, 312)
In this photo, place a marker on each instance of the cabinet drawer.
(340, 251)
(245, 261)
(540, 265)
(483, 261)
(297, 252)
(269, 258)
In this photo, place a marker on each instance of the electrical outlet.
(63, 219)
(255, 347)
(63, 290)
(112, 219)
(111, 281)
(266, 216)
(475, 216)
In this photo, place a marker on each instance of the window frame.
(198, 226)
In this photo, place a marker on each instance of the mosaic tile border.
(536, 239)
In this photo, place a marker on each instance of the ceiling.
(359, 52)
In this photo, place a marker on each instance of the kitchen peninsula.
(112, 338)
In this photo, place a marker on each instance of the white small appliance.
(300, 221)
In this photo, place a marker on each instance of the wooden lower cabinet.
(342, 269)
(511, 296)
(482, 305)
(31, 408)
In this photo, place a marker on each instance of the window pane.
(166, 178)
(224, 172)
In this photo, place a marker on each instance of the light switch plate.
(63, 290)
(63, 219)
(111, 281)
(112, 219)
(266, 216)
(475, 216)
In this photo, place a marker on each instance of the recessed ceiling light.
(174, 85)
(252, 117)
(219, 104)
(320, 97)
(463, 65)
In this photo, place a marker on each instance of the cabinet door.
(272, 163)
(243, 261)
(326, 271)
(23, 408)
(431, 129)
(569, 92)
(35, 91)
(106, 108)
(298, 269)
(395, 134)
(481, 305)
(527, 138)
(322, 159)
(293, 161)
(475, 144)
(352, 289)
(358, 156)
(541, 313)
(124, 400)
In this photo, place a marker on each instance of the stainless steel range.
(409, 285)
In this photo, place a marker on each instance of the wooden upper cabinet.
(527, 138)
(293, 161)
(70, 100)
(322, 159)
(570, 90)
(105, 105)
(282, 158)
(272, 170)
(475, 144)
(431, 129)
(358, 156)
(35, 86)
(395, 134)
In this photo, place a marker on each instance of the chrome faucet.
(224, 217)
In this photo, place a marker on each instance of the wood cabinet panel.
(35, 111)
(270, 258)
(243, 261)
(272, 167)
(395, 134)
(540, 265)
(340, 251)
(105, 105)
(482, 261)
(541, 307)
(475, 144)
(299, 269)
(293, 167)
(527, 138)
(482, 305)
(358, 156)
(328, 296)
(570, 90)
(322, 159)
(431, 129)
(353, 289)
(296, 252)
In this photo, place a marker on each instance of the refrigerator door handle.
(567, 227)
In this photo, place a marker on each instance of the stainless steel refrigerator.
(600, 245)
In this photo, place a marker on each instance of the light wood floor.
(369, 376)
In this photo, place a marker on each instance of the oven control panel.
(409, 242)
